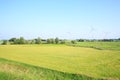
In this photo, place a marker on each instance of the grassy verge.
(11, 70)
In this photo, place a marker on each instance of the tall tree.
(12, 40)
(56, 40)
(48, 41)
(22, 40)
(38, 40)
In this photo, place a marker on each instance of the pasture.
(73, 60)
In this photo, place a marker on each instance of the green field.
(100, 45)
(68, 59)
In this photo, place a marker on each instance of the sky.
(65, 19)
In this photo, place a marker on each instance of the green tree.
(48, 41)
(17, 41)
(63, 41)
(38, 40)
(12, 40)
(52, 40)
(33, 41)
(5, 42)
(73, 42)
(21, 40)
(80, 40)
(56, 40)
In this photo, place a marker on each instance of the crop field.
(67, 59)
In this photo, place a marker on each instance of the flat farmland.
(78, 60)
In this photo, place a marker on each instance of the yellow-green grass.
(78, 60)
(12, 70)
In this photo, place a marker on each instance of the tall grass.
(11, 70)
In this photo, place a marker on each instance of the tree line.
(98, 40)
(56, 40)
(38, 40)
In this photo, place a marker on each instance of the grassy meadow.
(62, 60)
(99, 45)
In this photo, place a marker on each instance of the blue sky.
(69, 19)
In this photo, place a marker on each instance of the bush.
(73, 41)
(5, 42)
(63, 42)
